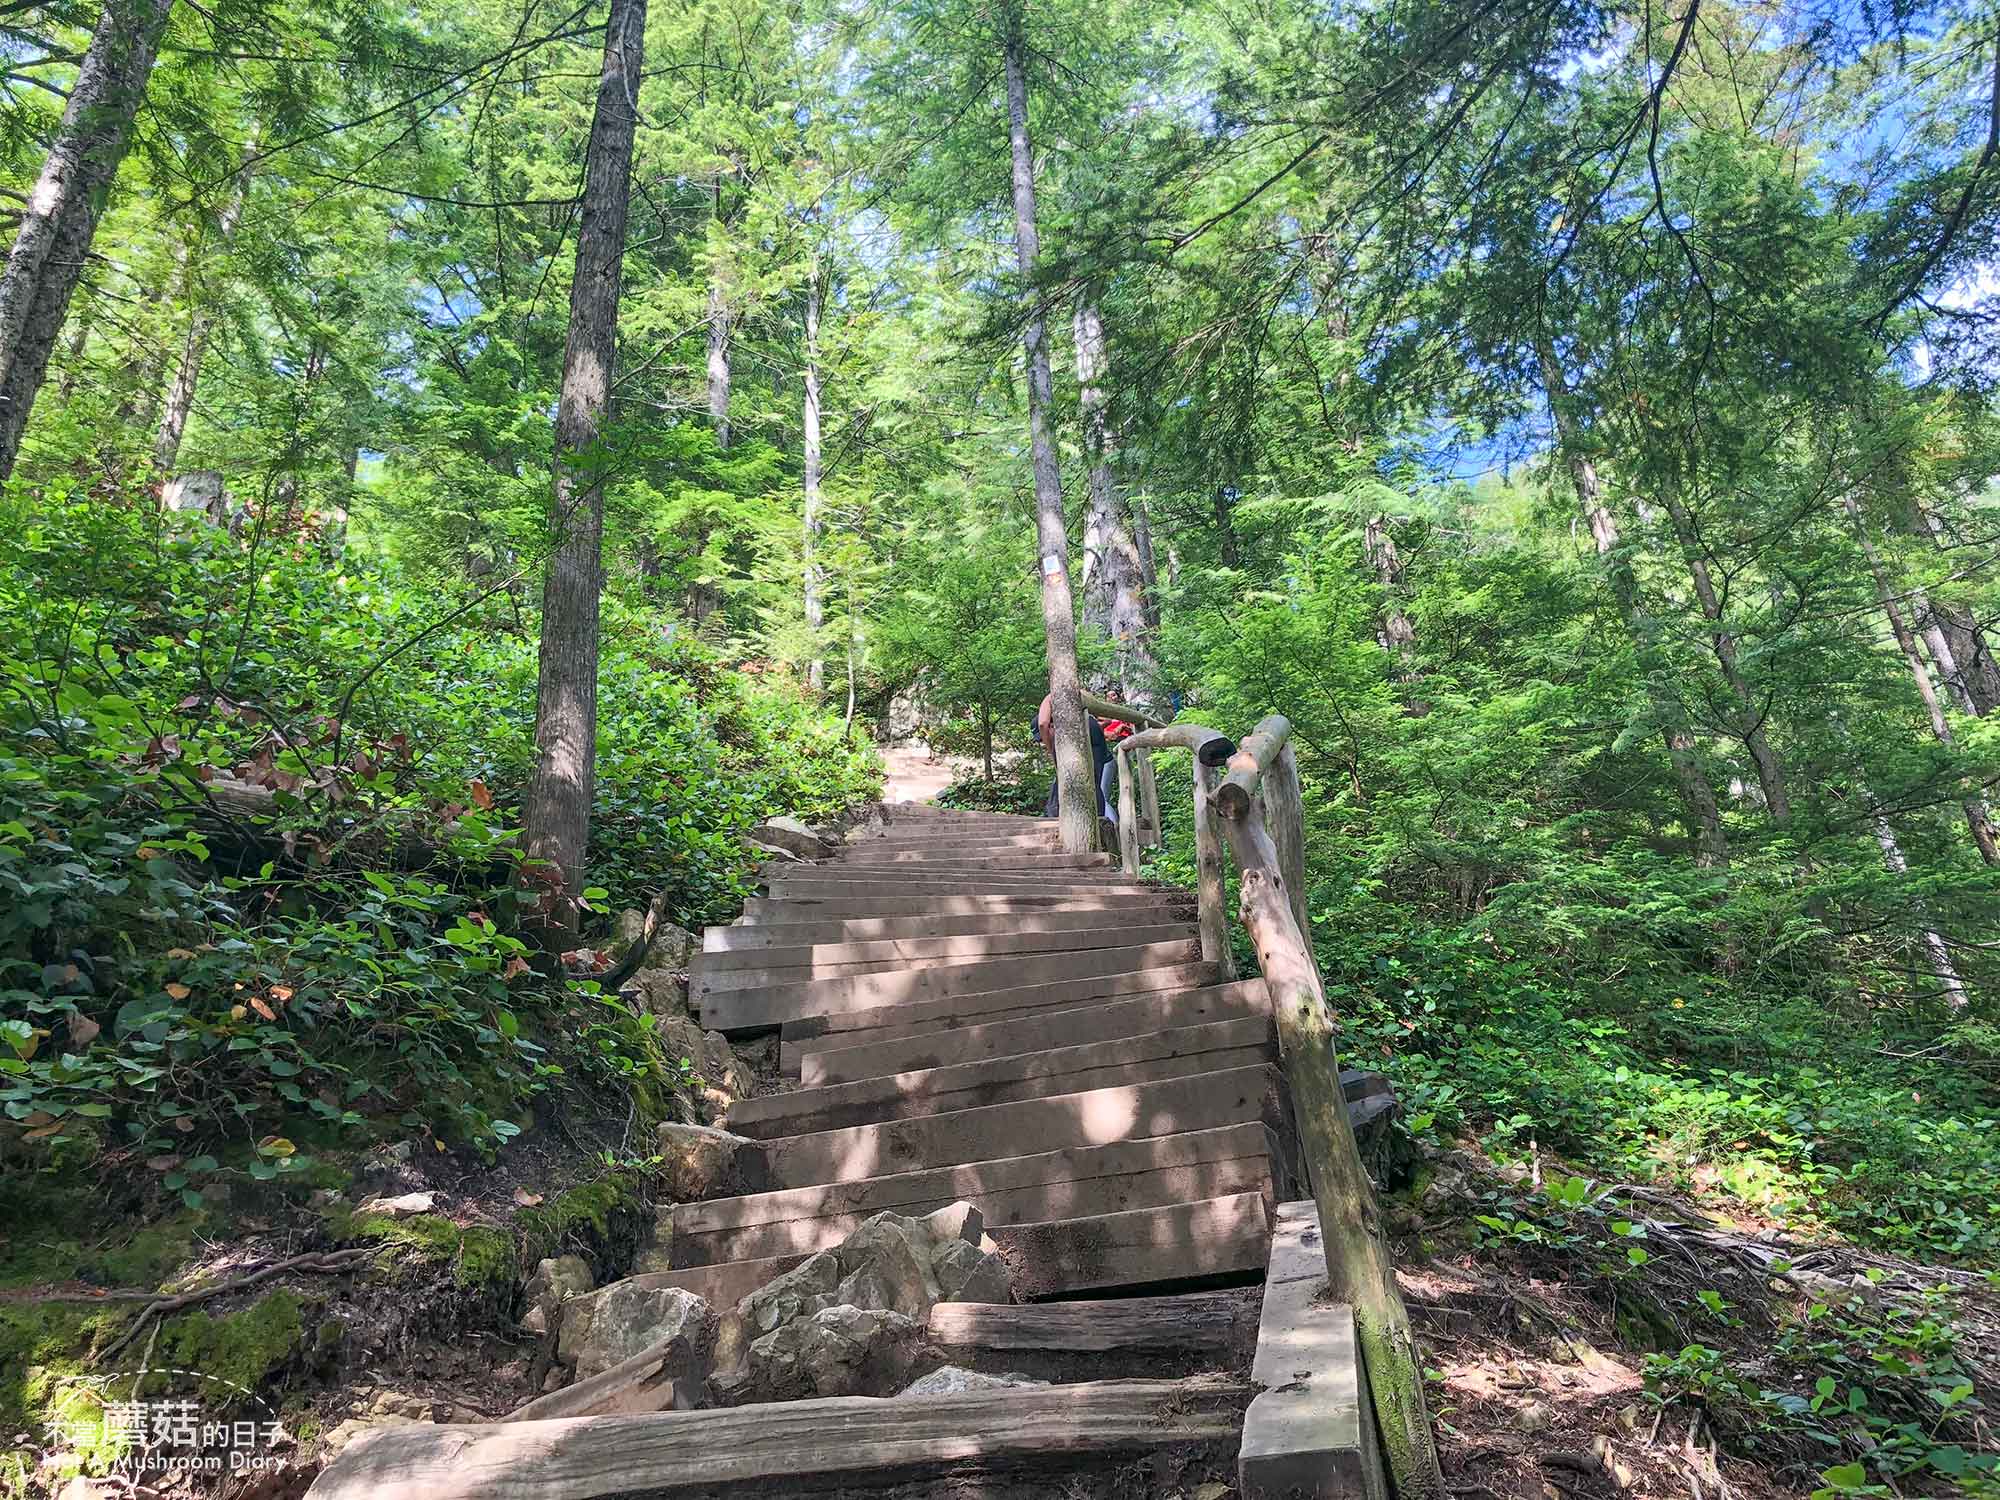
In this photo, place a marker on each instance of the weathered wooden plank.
(1178, 1051)
(1095, 1117)
(788, 1448)
(1214, 1237)
(1077, 1182)
(1219, 1325)
(1034, 1032)
(773, 1004)
(748, 968)
(811, 1033)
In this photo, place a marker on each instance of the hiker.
(1114, 731)
(1100, 755)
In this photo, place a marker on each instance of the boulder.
(555, 1281)
(608, 1327)
(660, 992)
(838, 1351)
(966, 1272)
(720, 1077)
(792, 836)
(386, 1409)
(892, 1264)
(395, 1208)
(699, 1162)
(956, 1380)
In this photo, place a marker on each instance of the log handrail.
(1260, 813)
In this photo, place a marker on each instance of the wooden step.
(868, 1056)
(760, 936)
(1214, 1237)
(1095, 1117)
(889, 1022)
(984, 841)
(1172, 1053)
(1126, 1335)
(800, 908)
(770, 1005)
(954, 854)
(1018, 1444)
(751, 967)
(817, 880)
(1074, 1182)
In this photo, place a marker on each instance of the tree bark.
(1971, 654)
(1114, 574)
(815, 608)
(60, 219)
(1749, 726)
(1076, 783)
(1936, 950)
(556, 819)
(1978, 818)
(179, 403)
(1396, 634)
(1697, 796)
(718, 337)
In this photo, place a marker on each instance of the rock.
(555, 1281)
(720, 1077)
(1213, 1490)
(626, 929)
(386, 1409)
(838, 1351)
(560, 1277)
(1534, 1417)
(661, 992)
(892, 1263)
(699, 1161)
(610, 1326)
(955, 1380)
(773, 851)
(395, 1208)
(968, 1273)
(792, 835)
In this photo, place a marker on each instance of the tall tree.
(60, 220)
(556, 815)
(1114, 574)
(1076, 786)
(809, 519)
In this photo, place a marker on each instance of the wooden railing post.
(1360, 1269)
(1284, 816)
(1213, 919)
(1149, 801)
(1128, 830)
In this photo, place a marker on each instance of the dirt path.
(916, 773)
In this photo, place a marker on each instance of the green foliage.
(256, 845)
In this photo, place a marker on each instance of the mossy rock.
(418, 1246)
(603, 1221)
(245, 1347)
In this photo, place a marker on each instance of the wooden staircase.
(973, 1015)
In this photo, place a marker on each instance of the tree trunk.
(1076, 783)
(718, 344)
(1935, 948)
(1750, 723)
(187, 374)
(60, 218)
(814, 606)
(1697, 796)
(556, 818)
(1977, 817)
(1397, 635)
(1114, 574)
(1971, 654)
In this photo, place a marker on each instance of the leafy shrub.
(257, 841)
